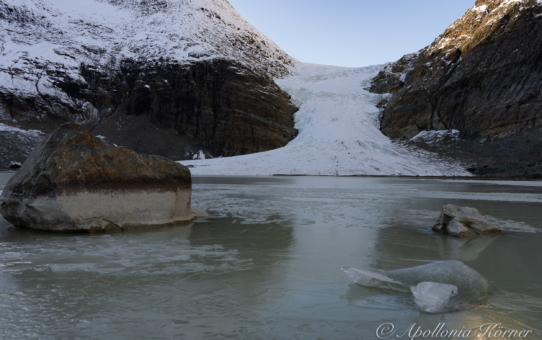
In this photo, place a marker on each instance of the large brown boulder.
(73, 181)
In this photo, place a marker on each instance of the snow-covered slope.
(165, 77)
(338, 133)
(181, 30)
(42, 37)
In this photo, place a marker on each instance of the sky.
(351, 32)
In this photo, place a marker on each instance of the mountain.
(177, 78)
(482, 77)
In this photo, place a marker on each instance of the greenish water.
(266, 264)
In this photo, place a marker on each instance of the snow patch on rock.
(434, 137)
(408, 60)
(199, 155)
(32, 133)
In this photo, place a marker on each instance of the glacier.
(339, 135)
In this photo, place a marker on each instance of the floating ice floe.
(437, 287)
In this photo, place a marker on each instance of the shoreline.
(475, 178)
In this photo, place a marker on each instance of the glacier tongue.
(338, 133)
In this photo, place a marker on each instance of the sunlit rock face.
(168, 77)
(73, 181)
(481, 77)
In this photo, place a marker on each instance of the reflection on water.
(267, 264)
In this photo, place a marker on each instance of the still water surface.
(266, 264)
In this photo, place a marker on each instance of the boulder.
(73, 181)
(463, 222)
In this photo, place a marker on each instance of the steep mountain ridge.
(106, 32)
(167, 77)
(483, 77)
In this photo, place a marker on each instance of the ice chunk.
(472, 285)
(372, 279)
(434, 297)
(471, 288)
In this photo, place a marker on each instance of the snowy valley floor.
(338, 133)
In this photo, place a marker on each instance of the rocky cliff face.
(169, 77)
(483, 77)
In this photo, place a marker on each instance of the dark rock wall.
(493, 91)
(488, 86)
(165, 108)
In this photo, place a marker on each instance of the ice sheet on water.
(514, 226)
(472, 288)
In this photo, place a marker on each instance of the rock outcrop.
(73, 181)
(463, 222)
(392, 76)
(172, 78)
(482, 76)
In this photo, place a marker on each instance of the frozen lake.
(266, 265)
